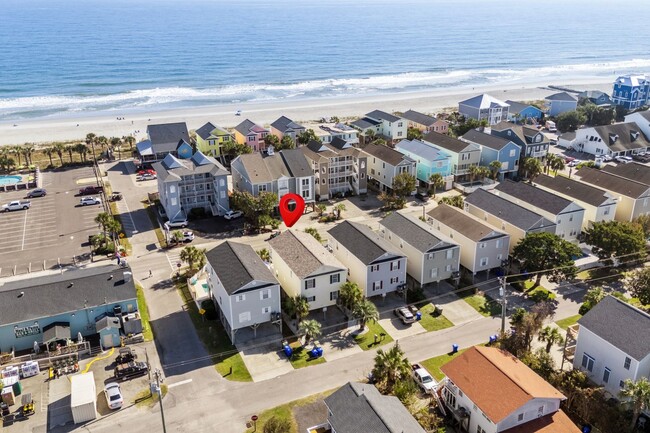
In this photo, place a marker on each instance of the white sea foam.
(181, 96)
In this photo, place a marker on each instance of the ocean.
(64, 58)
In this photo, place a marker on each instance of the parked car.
(405, 315)
(16, 205)
(126, 355)
(623, 159)
(145, 176)
(423, 378)
(233, 214)
(422, 196)
(113, 394)
(574, 162)
(38, 192)
(176, 224)
(130, 370)
(188, 236)
(146, 171)
(607, 158)
(90, 190)
(85, 201)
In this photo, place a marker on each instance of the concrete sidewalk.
(457, 310)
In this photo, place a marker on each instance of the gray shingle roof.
(247, 126)
(562, 96)
(166, 136)
(622, 136)
(205, 130)
(171, 169)
(571, 187)
(361, 241)
(426, 151)
(415, 233)
(464, 223)
(365, 123)
(506, 210)
(284, 123)
(420, 118)
(304, 254)
(360, 408)
(256, 169)
(517, 107)
(237, 265)
(611, 182)
(535, 196)
(633, 171)
(296, 162)
(620, 324)
(483, 101)
(52, 295)
(382, 115)
(488, 140)
(446, 142)
(386, 154)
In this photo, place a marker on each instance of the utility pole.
(156, 387)
(504, 302)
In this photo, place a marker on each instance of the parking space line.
(24, 230)
(182, 382)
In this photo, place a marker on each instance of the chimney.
(127, 277)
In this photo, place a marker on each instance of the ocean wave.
(164, 97)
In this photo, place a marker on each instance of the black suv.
(130, 370)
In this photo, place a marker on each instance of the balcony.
(199, 288)
(570, 342)
(539, 154)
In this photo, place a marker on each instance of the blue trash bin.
(320, 351)
(418, 316)
(493, 339)
(288, 351)
(454, 348)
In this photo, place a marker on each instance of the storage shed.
(83, 397)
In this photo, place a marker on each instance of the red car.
(147, 171)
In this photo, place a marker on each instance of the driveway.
(396, 329)
(266, 361)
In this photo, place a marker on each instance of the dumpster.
(18, 388)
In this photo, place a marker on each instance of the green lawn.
(300, 357)
(483, 304)
(286, 412)
(367, 340)
(433, 364)
(151, 211)
(230, 363)
(147, 333)
(431, 322)
(565, 323)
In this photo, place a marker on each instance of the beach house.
(599, 205)
(210, 139)
(596, 97)
(463, 154)
(431, 256)
(559, 103)
(199, 182)
(515, 220)
(429, 160)
(482, 246)
(242, 287)
(283, 172)
(385, 163)
(567, 214)
(484, 107)
(642, 120)
(391, 127)
(520, 112)
(424, 122)
(284, 126)
(489, 390)
(305, 268)
(374, 264)
(633, 198)
(631, 91)
(338, 168)
(327, 132)
(251, 134)
(164, 139)
(533, 143)
(495, 148)
(613, 140)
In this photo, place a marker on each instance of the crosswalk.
(174, 258)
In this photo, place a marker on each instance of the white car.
(233, 214)
(574, 163)
(623, 159)
(607, 158)
(176, 224)
(145, 176)
(113, 394)
(188, 236)
(90, 201)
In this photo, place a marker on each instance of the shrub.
(405, 390)
(277, 425)
(541, 294)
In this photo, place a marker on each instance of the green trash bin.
(18, 388)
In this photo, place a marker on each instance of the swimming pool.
(10, 180)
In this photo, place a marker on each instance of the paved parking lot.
(54, 230)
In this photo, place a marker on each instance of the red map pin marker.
(290, 217)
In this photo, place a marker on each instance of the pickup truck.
(424, 379)
(90, 190)
(16, 205)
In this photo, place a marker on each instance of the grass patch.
(285, 411)
(147, 332)
(367, 340)
(151, 211)
(540, 294)
(230, 363)
(565, 323)
(430, 322)
(484, 304)
(300, 357)
(433, 364)
(145, 399)
(122, 238)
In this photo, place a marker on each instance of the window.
(431, 256)
(245, 317)
(479, 429)
(266, 310)
(334, 295)
(448, 268)
(482, 245)
(374, 268)
(606, 375)
(434, 272)
(377, 285)
(588, 362)
(265, 294)
(450, 254)
(627, 363)
(399, 134)
(484, 261)
(251, 138)
(383, 165)
(520, 417)
(499, 243)
(499, 257)
(305, 182)
(512, 153)
(621, 384)
(394, 280)
(311, 298)
(222, 182)
(261, 188)
(399, 124)
(222, 194)
(240, 298)
(394, 265)
(310, 284)
(336, 278)
(606, 211)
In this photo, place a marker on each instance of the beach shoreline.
(47, 130)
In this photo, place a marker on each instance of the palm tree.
(365, 311)
(7, 164)
(495, 166)
(192, 255)
(338, 209)
(639, 395)
(321, 208)
(557, 164)
(532, 167)
(18, 151)
(484, 172)
(264, 254)
(59, 148)
(116, 143)
(130, 140)
(589, 110)
(369, 136)
(301, 306)
(551, 336)
(113, 227)
(350, 295)
(103, 141)
(314, 232)
(49, 151)
(311, 329)
(70, 148)
(103, 220)
(390, 367)
(473, 171)
(82, 150)
(28, 149)
(437, 181)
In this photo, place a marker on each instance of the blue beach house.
(495, 148)
(631, 91)
(430, 160)
(559, 103)
(519, 112)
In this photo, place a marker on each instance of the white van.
(551, 126)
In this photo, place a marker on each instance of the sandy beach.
(45, 130)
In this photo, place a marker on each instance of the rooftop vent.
(70, 285)
(127, 276)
